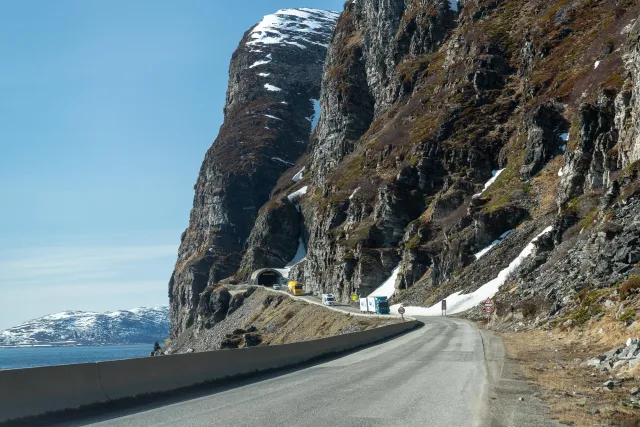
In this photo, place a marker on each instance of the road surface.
(312, 299)
(433, 376)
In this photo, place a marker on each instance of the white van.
(328, 299)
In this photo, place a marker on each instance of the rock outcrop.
(274, 78)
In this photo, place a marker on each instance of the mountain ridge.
(274, 81)
(140, 325)
(450, 132)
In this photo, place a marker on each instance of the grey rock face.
(214, 304)
(275, 238)
(544, 128)
(586, 166)
(599, 257)
(361, 79)
(346, 101)
(394, 30)
(274, 74)
(626, 355)
(609, 137)
(628, 102)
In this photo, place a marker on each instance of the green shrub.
(628, 316)
(588, 308)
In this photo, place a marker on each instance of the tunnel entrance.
(267, 277)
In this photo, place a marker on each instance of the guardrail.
(34, 392)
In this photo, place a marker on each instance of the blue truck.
(379, 305)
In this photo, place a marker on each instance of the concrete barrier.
(37, 391)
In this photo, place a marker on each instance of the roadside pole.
(401, 312)
(444, 307)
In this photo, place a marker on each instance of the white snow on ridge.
(301, 253)
(495, 176)
(272, 117)
(596, 65)
(298, 193)
(354, 193)
(457, 302)
(628, 27)
(317, 110)
(294, 27)
(255, 64)
(278, 159)
(272, 88)
(264, 74)
(492, 245)
(388, 287)
(268, 59)
(297, 177)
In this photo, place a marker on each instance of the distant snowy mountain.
(135, 326)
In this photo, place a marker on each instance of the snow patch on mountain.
(272, 88)
(317, 110)
(459, 302)
(296, 27)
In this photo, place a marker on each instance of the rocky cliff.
(481, 147)
(274, 80)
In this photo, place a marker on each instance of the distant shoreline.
(74, 345)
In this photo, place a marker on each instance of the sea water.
(28, 357)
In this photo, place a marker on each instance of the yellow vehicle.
(296, 288)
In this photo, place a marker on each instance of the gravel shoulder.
(511, 401)
(553, 364)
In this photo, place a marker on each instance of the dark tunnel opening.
(269, 278)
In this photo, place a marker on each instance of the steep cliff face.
(363, 77)
(274, 78)
(452, 135)
(422, 103)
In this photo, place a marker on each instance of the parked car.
(277, 287)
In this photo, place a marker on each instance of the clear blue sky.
(106, 111)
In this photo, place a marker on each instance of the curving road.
(433, 376)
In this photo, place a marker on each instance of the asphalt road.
(433, 376)
(312, 299)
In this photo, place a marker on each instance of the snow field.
(458, 302)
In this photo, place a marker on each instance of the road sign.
(444, 304)
(401, 310)
(488, 306)
(354, 297)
